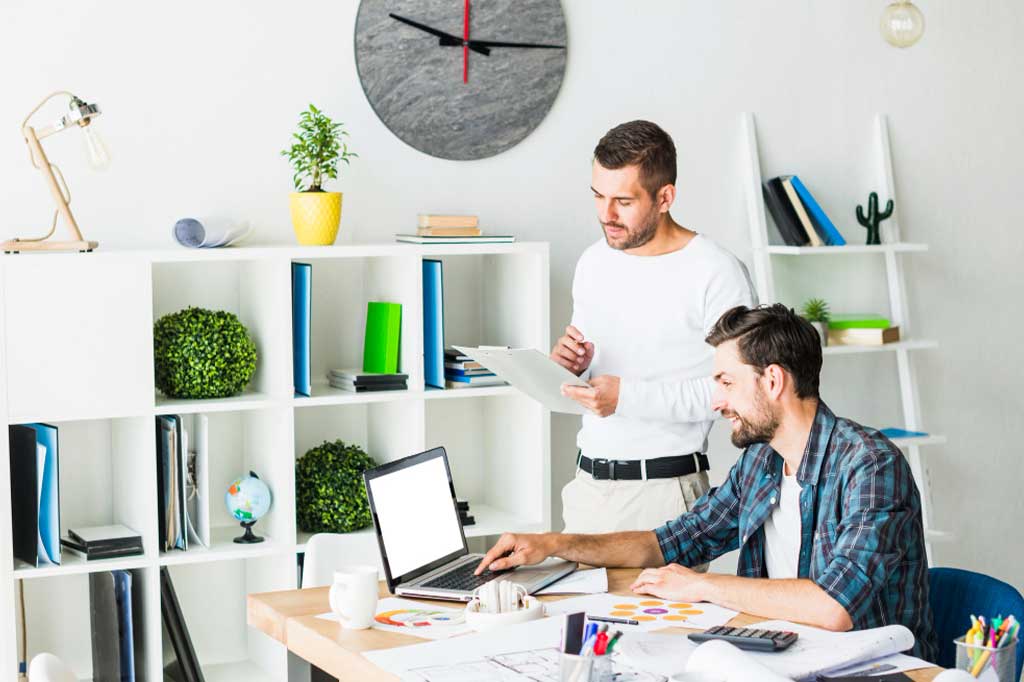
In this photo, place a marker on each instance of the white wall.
(199, 97)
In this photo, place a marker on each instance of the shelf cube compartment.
(341, 290)
(223, 447)
(257, 291)
(106, 476)
(498, 453)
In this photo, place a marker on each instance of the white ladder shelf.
(892, 249)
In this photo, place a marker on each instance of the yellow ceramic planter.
(315, 217)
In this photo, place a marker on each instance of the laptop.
(422, 544)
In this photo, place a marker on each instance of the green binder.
(858, 321)
(383, 334)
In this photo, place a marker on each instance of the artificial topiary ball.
(329, 492)
(201, 354)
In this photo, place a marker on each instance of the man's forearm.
(628, 549)
(799, 600)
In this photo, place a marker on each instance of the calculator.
(751, 639)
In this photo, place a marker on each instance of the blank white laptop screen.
(418, 521)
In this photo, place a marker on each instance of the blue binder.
(826, 230)
(433, 324)
(302, 278)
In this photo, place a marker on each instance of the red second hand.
(465, 44)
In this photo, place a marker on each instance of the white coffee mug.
(353, 596)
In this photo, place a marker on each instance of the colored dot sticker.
(651, 603)
(627, 614)
(691, 612)
(645, 618)
(680, 606)
(675, 618)
(655, 612)
(625, 606)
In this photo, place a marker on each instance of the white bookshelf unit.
(892, 249)
(77, 351)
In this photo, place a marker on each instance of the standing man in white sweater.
(644, 298)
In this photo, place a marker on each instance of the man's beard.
(760, 428)
(634, 237)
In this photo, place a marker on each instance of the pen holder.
(977, 659)
(573, 668)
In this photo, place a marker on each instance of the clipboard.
(533, 373)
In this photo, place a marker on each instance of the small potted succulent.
(316, 149)
(815, 311)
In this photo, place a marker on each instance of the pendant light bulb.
(902, 23)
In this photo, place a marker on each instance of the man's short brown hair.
(773, 335)
(644, 144)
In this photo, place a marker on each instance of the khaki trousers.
(590, 506)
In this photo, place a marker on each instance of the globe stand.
(249, 538)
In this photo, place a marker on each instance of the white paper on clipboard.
(533, 373)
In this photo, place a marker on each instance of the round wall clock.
(461, 79)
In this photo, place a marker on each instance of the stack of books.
(358, 381)
(464, 516)
(799, 217)
(461, 371)
(861, 330)
(451, 229)
(103, 542)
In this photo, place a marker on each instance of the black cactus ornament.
(873, 219)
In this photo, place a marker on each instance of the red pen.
(601, 644)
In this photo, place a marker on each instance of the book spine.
(801, 214)
(827, 230)
(432, 220)
(773, 199)
(448, 232)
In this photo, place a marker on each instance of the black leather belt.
(635, 469)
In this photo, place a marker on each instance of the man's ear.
(776, 380)
(665, 197)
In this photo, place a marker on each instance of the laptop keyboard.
(462, 578)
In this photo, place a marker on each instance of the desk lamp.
(80, 115)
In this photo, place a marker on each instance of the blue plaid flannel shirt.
(862, 533)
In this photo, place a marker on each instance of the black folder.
(25, 491)
(186, 667)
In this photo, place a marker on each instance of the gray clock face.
(410, 57)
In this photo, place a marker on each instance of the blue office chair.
(955, 594)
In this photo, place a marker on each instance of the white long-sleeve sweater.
(647, 317)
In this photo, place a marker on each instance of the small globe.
(248, 499)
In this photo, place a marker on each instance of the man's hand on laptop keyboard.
(513, 550)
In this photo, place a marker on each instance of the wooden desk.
(290, 618)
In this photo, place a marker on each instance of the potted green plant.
(316, 149)
(815, 311)
(329, 492)
(200, 354)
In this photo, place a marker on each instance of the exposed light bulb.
(902, 23)
(96, 148)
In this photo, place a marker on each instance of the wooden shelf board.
(246, 401)
(916, 344)
(323, 393)
(222, 548)
(849, 249)
(477, 392)
(72, 564)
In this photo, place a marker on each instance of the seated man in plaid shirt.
(824, 511)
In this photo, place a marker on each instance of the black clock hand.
(495, 43)
(446, 39)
